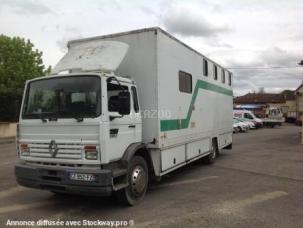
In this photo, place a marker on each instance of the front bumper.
(57, 180)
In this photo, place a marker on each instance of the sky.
(257, 35)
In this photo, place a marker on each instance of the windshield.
(63, 97)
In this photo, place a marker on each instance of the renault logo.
(53, 148)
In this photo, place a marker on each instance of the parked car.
(236, 127)
(247, 121)
(247, 126)
(248, 115)
(241, 126)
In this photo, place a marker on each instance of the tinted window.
(215, 72)
(113, 91)
(135, 99)
(205, 67)
(223, 76)
(185, 82)
(229, 78)
(248, 116)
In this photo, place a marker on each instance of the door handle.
(131, 126)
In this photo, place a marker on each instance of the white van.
(120, 109)
(245, 114)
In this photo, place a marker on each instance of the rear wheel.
(138, 181)
(210, 158)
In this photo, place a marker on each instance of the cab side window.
(113, 91)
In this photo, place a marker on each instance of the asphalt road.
(257, 184)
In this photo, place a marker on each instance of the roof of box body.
(121, 79)
(157, 29)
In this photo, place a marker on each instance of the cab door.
(137, 119)
(122, 131)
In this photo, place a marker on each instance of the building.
(259, 102)
(290, 108)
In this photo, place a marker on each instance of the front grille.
(65, 150)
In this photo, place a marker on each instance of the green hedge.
(10, 107)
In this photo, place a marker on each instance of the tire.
(137, 175)
(210, 158)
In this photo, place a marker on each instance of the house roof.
(289, 95)
(300, 86)
(260, 98)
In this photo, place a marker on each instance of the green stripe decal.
(177, 124)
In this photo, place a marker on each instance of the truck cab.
(67, 122)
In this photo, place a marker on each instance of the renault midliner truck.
(120, 109)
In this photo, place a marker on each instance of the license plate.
(82, 177)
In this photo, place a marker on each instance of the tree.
(19, 61)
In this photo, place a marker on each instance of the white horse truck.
(120, 109)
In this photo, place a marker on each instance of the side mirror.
(124, 103)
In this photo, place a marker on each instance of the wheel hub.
(138, 181)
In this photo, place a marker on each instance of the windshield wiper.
(52, 119)
(79, 119)
(43, 119)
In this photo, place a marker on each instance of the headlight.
(24, 149)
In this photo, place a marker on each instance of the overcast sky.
(234, 33)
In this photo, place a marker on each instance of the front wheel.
(138, 181)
